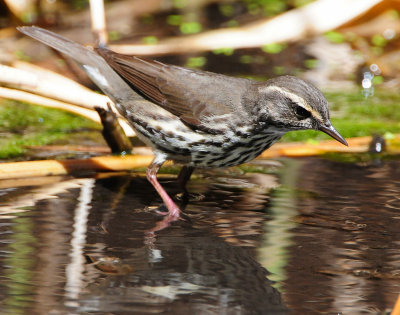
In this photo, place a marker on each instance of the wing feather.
(195, 96)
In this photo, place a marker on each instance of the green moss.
(379, 40)
(227, 9)
(196, 62)
(361, 158)
(226, 51)
(273, 48)
(335, 37)
(259, 169)
(190, 27)
(150, 40)
(174, 19)
(24, 125)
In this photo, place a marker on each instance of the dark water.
(307, 236)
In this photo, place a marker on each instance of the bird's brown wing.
(195, 96)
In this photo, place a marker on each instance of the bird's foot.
(173, 212)
(163, 213)
(165, 222)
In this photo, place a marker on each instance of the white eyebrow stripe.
(295, 98)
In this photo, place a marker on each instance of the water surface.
(300, 236)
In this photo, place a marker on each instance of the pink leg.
(173, 209)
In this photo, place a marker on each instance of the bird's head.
(294, 104)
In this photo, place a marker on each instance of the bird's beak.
(329, 130)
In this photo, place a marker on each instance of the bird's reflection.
(186, 267)
(90, 251)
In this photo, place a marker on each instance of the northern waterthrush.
(197, 118)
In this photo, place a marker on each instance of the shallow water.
(299, 236)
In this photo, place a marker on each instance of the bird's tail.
(94, 65)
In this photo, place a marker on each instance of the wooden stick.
(128, 162)
(37, 80)
(356, 145)
(47, 102)
(305, 149)
(113, 132)
(98, 18)
(315, 18)
(55, 167)
(54, 90)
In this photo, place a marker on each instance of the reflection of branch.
(44, 191)
(317, 17)
(74, 270)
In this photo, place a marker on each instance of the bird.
(196, 118)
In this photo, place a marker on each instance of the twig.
(112, 131)
(56, 91)
(98, 18)
(55, 167)
(47, 102)
(356, 145)
(29, 77)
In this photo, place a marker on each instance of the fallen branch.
(98, 18)
(55, 167)
(47, 102)
(71, 148)
(47, 88)
(128, 162)
(315, 18)
(34, 79)
(356, 145)
(112, 131)
(140, 150)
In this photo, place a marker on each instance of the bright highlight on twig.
(98, 18)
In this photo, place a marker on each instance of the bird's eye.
(301, 113)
